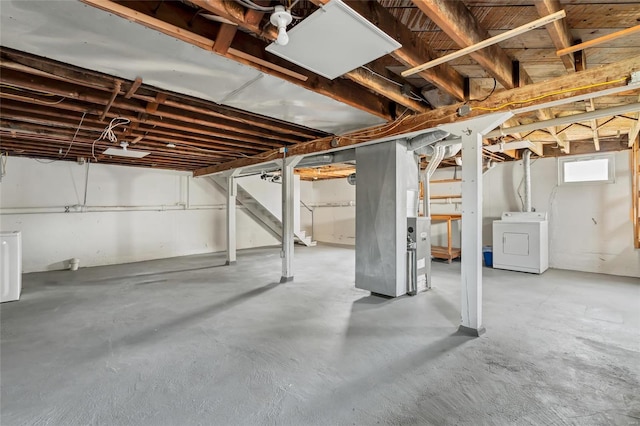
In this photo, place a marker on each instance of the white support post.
(288, 165)
(232, 190)
(472, 132)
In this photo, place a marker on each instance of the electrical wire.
(546, 95)
(108, 133)
(495, 84)
(33, 92)
(415, 96)
(74, 135)
(70, 145)
(41, 92)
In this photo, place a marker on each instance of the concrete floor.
(179, 342)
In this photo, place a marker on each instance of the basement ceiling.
(208, 94)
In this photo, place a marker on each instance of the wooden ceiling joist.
(28, 64)
(558, 31)
(236, 14)
(173, 19)
(562, 88)
(461, 26)
(413, 51)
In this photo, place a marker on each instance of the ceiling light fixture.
(280, 18)
(124, 152)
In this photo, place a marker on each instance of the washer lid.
(524, 216)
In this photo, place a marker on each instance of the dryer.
(521, 242)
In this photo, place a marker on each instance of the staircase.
(261, 214)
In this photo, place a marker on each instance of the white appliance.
(10, 266)
(521, 242)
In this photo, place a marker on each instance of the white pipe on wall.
(526, 162)
(101, 209)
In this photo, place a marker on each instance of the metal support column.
(472, 132)
(288, 206)
(232, 190)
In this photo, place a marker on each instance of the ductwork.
(424, 140)
(526, 161)
(436, 158)
(438, 151)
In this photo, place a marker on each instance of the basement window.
(586, 169)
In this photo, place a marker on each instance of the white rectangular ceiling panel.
(334, 40)
(280, 99)
(81, 35)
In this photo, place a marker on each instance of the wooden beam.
(461, 26)
(235, 13)
(487, 42)
(590, 106)
(152, 107)
(116, 90)
(599, 40)
(177, 23)
(70, 92)
(226, 33)
(134, 86)
(558, 31)
(385, 88)
(545, 114)
(413, 51)
(566, 87)
(634, 130)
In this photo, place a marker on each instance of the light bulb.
(283, 37)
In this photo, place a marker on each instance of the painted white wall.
(146, 214)
(590, 228)
(334, 211)
(589, 224)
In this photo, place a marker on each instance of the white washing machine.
(10, 266)
(521, 242)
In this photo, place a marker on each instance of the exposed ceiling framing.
(44, 101)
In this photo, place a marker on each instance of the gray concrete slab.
(184, 341)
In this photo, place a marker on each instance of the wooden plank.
(558, 89)
(225, 36)
(599, 40)
(634, 130)
(457, 22)
(561, 139)
(589, 106)
(558, 31)
(486, 43)
(152, 107)
(134, 86)
(116, 90)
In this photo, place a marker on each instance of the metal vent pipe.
(526, 162)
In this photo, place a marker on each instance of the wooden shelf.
(445, 253)
(449, 253)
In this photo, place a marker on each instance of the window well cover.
(333, 41)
